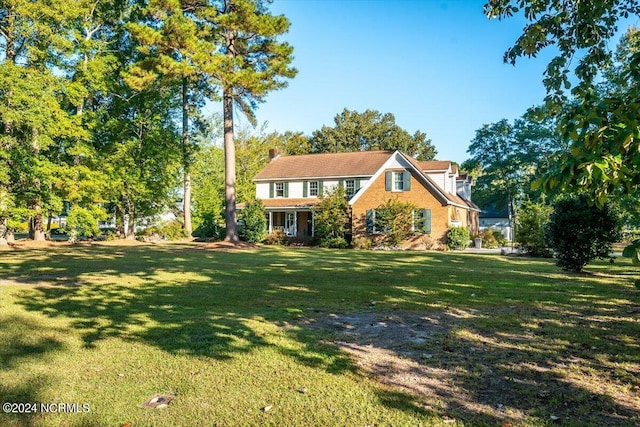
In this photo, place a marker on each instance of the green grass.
(227, 333)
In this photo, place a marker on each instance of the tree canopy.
(508, 157)
(92, 93)
(601, 120)
(371, 130)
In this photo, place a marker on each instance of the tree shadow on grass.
(510, 365)
(25, 340)
(505, 363)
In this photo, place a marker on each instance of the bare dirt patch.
(483, 377)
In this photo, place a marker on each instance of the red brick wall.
(418, 195)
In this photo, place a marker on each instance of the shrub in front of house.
(276, 237)
(579, 232)
(488, 239)
(332, 218)
(362, 242)
(253, 216)
(457, 238)
(395, 217)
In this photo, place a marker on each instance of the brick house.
(290, 186)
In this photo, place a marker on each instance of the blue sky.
(435, 64)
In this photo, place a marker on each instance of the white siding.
(262, 190)
(439, 178)
(296, 188)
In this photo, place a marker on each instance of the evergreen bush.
(457, 238)
(579, 232)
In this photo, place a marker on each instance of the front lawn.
(307, 337)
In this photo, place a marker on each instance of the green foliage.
(173, 230)
(395, 217)
(507, 158)
(209, 227)
(84, 222)
(335, 243)
(277, 237)
(254, 229)
(532, 222)
(579, 232)
(457, 238)
(367, 131)
(331, 216)
(362, 242)
(602, 120)
(581, 35)
(207, 179)
(632, 250)
(491, 239)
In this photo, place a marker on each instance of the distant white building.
(496, 219)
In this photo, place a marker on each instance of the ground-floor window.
(421, 221)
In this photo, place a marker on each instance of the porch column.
(270, 222)
(295, 223)
(313, 224)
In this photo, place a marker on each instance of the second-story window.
(313, 188)
(350, 187)
(279, 189)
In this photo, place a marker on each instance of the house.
(492, 217)
(290, 186)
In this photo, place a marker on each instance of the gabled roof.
(325, 165)
(353, 164)
(447, 198)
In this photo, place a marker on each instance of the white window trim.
(317, 189)
(276, 191)
(394, 181)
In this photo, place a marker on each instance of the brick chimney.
(274, 153)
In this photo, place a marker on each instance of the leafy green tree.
(140, 153)
(84, 222)
(603, 127)
(579, 232)
(31, 121)
(173, 42)
(252, 154)
(532, 223)
(208, 183)
(331, 218)
(507, 158)
(395, 217)
(367, 131)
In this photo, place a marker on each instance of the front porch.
(296, 224)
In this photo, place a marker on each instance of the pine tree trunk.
(229, 171)
(186, 161)
(229, 149)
